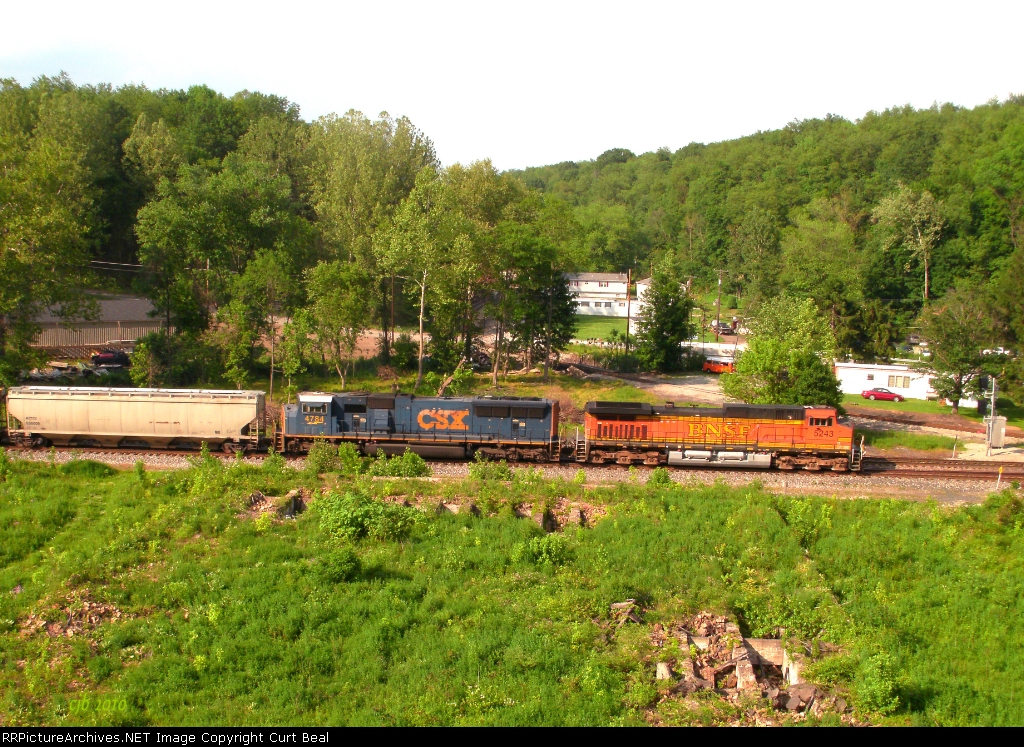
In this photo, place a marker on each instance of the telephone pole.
(718, 306)
(629, 282)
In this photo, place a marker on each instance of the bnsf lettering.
(715, 429)
(443, 420)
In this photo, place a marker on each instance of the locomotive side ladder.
(581, 446)
(858, 455)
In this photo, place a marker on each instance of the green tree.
(428, 241)
(912, 220)
(46, 214)
(757, 253)
(664, 323)
(338, 313)
(957, 327)
(260, 297)
(788, 359)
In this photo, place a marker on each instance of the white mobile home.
(855, 378)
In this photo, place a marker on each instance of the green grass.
(1014, 413)
(899, 439)
(354, 615)
(598, 327)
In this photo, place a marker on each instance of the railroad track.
(875, 466)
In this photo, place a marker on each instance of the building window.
(621, 305)
(899, 382)
(602, 284)
(584, 303)
(871, 377)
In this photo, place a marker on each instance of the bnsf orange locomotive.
(756, 436)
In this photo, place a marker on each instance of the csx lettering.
(443, 420)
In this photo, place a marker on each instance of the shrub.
(263, 522)
(660, 478)
(273, 463)
(552, 549)
(339, 565)
(407, 465)
(5, 465)
(86, 468)
(350, 461)
(404, 352)
(483, 469)
(322, 457)
(140, 471)
(351, 516)
(877, 684)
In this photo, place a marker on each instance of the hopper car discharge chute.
(732, 436)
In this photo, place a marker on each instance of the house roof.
(111, 309)
(617, 277)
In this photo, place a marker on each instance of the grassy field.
(1013, 412)
(899, 439)
(598, 327)
(361, 612)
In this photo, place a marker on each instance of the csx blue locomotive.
(512, 428)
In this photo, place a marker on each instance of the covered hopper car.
(735, 435)
(513, 428)
(134, 418)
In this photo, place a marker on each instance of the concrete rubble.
(714, 656)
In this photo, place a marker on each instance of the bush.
(877, 684)
(351, 516)
(86, 468)
(552, 549)
(322, 457)
(337, 566)
(273, 463)
(660, 478)
(404, 352)
(483, 469)
(407, 465)
(350, 461)
(5, 465)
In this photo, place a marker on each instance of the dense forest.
(239, 213)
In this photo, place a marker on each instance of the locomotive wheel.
(228, 448)
(293, 447)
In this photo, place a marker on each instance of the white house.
(855, 378)
(599, 293)
(642, 286)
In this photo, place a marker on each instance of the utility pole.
(990, 421)
(629, 282)
(718, 306)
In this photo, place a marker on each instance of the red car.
(879, 393)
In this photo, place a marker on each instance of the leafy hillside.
(167, 598)
(798, 210)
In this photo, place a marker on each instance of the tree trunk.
(337, 367)
(925, 278)
(423, 302)
(273, 339)
(547, 334)
(497, 352)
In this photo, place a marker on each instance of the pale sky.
(531, 83)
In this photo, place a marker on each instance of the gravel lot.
(795, 483)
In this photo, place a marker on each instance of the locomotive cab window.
(315, 409)
(821, 421)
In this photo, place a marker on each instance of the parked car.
(880, 393)
(714, 364)
(111, 357)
